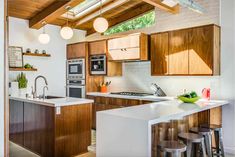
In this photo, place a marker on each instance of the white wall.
(53, 68)
(2, 78)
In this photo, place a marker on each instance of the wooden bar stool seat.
(191, 139)
(173, 147)
(207, 134)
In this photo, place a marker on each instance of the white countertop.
(58, 102)
(147, 98)
(127, 132)
(161, 111)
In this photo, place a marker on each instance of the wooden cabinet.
(76, 50)
(39, 129)
(97, 47)
(159, 54)
(192, 51)
(16, 120)
(204, 50)
(131, 47)
(178, 52)
(108, 103)
(100, 47)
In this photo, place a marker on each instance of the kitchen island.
(59, 127)
(133, 131)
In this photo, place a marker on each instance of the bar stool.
(207, 134)
(191, 139)
(175, 148)
(218, 134)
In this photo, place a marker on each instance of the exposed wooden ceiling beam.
(160, 5)
(52, 12)
(126, 15)
(95, 14)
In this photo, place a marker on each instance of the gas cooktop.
(131, 93)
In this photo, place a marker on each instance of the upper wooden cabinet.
(131, 47)
(76, 50)
(178, 52)
(159, 54)
(204, 50)
(192, 51)
(97, 47)
(100, 47)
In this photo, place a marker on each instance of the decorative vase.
(22, 92)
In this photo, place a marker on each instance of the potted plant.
(22, 82)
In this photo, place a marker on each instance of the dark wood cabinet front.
(108, 103)
(76, 50)
(39, 129)
(16, 120)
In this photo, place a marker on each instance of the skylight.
(83, 8)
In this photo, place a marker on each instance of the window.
(146, 20)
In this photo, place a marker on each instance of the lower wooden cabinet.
(108, 103)
(39, 129)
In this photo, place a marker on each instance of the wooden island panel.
(51, 131)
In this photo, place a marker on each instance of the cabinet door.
(16, 120)
(159, 54)
(97, 47)
(76, 50)
(201, 50)
(114, 69)
(39, 126)
(178, 52)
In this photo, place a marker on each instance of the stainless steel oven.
(76, 88)
(98, 64)
(76, 69)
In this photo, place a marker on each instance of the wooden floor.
(89, 154)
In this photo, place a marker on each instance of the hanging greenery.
(143, 21)
(22, 80)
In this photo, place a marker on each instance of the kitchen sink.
(52, 97)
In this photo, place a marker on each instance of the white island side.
(126, 132)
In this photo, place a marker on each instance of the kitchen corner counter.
(57, 102)
(147, 98)
(129, 131)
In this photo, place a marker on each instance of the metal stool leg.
(221, 145)
(189, 149)
(176, 154)
(203, 149)
(208, 145)
(217, 139)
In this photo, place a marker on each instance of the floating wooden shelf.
(36, 54)
(22, 69)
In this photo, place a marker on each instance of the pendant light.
(100, 24)
(44, 38)
(67, 32)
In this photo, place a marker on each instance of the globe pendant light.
(66, 32)
(44, 38)
(100, 24)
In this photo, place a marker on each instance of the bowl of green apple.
(191, 97)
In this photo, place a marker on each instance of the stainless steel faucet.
(44, 91)
(35, 85)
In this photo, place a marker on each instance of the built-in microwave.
(98, 64)
(76, 69)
